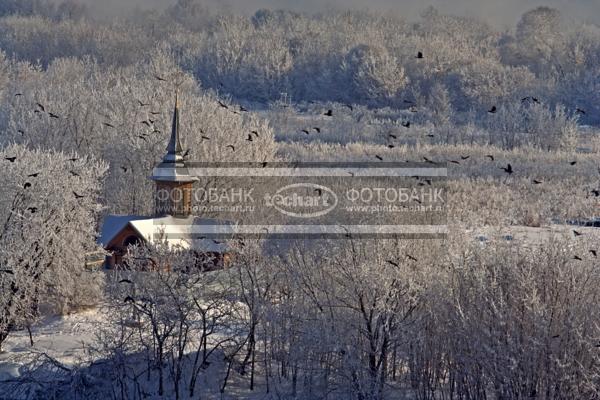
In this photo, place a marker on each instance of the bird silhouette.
(305, 131)
(508, 169)
(491, 157)
(53, 116)
(142, 104)
(594, 252)
(255, 133)
(465, 157)
(27, 185)
(493, 110)
(73, 159)
(146, 123)
(576, 233)
(577, 258)
(411, 257)
(143, 138)
(430, 135)
(34, 175)
(536, 182)
(78, 196)
(317, 129)
(573, 162)
(41, 107)
(107, 124)
(393, 136)
(205, 138)
(329, 113)
(406, 124)
(223, 105)
(32, 209)
(160, 78)
(391, 146)
(249, 138)
(419, 55)
(125, 281)
(392, 263)
(427, 160)
(242, 109)
(231, 146)
(455, 162)
(124, 168)
(18, 94)
(74, 173)
(11, 159)
(378, 157)
(580, 111)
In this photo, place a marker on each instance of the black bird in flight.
(249, 138)
(465, 157)
(573, 162)
(41, 107)
(53, 116)
(142, 104)
(125, 281)
(427, 160)
(146, 123)
(34, 175)
(255, 133)
(160, 78)
(391, 146)
(329, 113)
(128, 299)
(317, 129)
(107, 124)
(231, 146)
(154, 112)
(508, 169)
(205, 138)
(74, 173)
(223, 105)
(242, 109)
(491, 157)
(406, 124)
(411, 257)
(378, 157)
(18, 94)
(493, 110)
(577, 258)
(11, 159)
(536, 182)
(594, 253)
(393, 136)
(430, 135)
(78, 196)
(577, 233)
(27, 185)
(392, 263)
(73, 159)
(455, 162)
(580, 111)
(124, 168)
(32, 209)
(306, 131)
(419, 55)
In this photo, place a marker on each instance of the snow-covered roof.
(191, 232)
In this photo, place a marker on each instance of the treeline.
(354, 57)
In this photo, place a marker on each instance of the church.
(173, 220)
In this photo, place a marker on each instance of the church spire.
(174, 150)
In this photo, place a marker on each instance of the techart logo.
(303, 200)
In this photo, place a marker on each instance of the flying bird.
(160, 78)
(125, 281)
(419, 55)
(577, 233)
(78, 196)
(580, 111)
(392, 263)
(53, 116)
(393, 136)
(249, 138)
(317, 129)
(107, 124)
(573, 162)
(577, 258)
(594, 253)
(231, 146)
(41, 107)
(411, 257)
(378, 157)
(406, 124)
(11, 159)
(205, 138)
(27, 185)
(493, 110)
(508, 169)
(255, 133)
(306, 131)
(32, 209)
(391, 146)
(465, 157)
(427, 160)
(329, 113)
(18, 94)
(536, 182)
(74, 173)
(455, 162)
(491, 157)
(242, 109)
(146, 123)
(142, 104)
(223, 105)
(34, 175)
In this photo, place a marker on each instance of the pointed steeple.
(173, 167)
(174, 150)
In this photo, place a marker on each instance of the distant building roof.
(178, 232)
